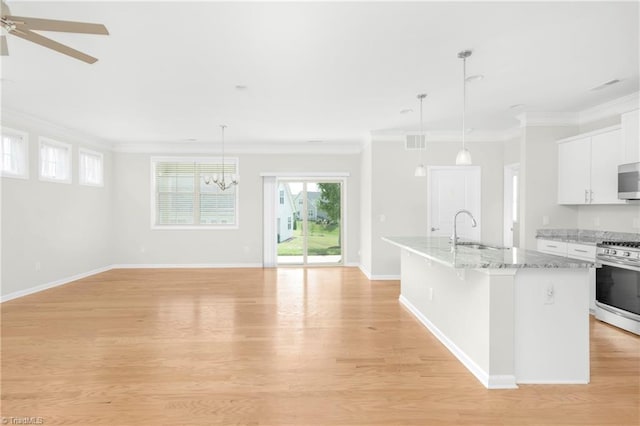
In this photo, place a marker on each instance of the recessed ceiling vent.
(607, 84)
(414, 142)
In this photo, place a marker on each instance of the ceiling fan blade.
(25, 22)
(54, 45)
(4, 50)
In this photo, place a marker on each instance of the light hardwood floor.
(318, 346)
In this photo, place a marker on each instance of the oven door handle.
(619, 265)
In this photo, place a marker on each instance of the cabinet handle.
(581, 251)
(551, 245)
(590, 197)
(586, 196)
(434, 229)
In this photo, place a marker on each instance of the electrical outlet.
(636, 222)
(430, 296)
(246, 249)
(596, 221)
(545, 220)
(549, 294)
(383, 218)
(38, 266)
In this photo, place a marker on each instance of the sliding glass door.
(309, 222)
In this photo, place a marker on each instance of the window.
(90, 168)
(289, 222)
(181, 198)
(15, 153)
(55, 161)
(281, 198)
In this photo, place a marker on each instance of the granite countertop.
(439, 250)
(587, 241)
(585, 236)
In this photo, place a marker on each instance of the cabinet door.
(631, 136)
(607, 152)
(574, 164)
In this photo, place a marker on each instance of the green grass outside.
(323, 240)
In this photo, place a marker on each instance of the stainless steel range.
(618, 284)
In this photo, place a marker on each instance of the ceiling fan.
(24, 27)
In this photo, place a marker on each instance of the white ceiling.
(317, 71)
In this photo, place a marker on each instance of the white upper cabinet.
(607, 152)
(588, 168)
(631, 136)
(574, 171)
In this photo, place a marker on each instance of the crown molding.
(614, 107)
(438, 136)
(608, 109)
(214, 148)
(15, 118)
(548, 119)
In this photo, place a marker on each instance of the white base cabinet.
(574, 251)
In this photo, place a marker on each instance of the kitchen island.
(509, 315)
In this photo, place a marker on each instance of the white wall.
(66, 228)
(366, 177)
(136, 243)
(399, 199)
(512, 151)
(539, 183)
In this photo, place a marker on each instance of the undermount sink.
(479, 246)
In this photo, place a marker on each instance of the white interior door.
(452, 189)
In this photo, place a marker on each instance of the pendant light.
(219, 179)
(464, 156)
(421, 171)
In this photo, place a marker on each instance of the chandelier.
(219, 178)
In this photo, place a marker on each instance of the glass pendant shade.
(420, 171)
(463, 158)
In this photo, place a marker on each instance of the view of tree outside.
(323, 230)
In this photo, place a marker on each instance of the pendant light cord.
(464, 100)
(223, 126)
(421, 135)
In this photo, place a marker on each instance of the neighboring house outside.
(314, 212)
(286, 213)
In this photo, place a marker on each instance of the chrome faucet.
(454, 235)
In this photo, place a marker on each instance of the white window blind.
(91, 168)
(182, 198)
(55, 161)
(15, 153)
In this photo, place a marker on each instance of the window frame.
(25, 141)
(205, 160)
(52, 142)
(81, 181)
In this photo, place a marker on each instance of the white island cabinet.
(509, 315)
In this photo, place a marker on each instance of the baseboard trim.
(184, 265)
(52, 284)
(372, 277)
(488, 381)
(385, 277)
(365, 272)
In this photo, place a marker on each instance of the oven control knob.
(626, 254)
(611, 251)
